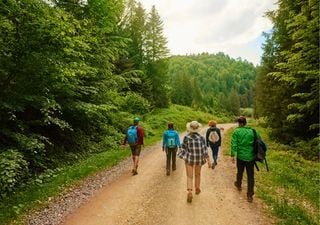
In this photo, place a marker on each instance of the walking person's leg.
(240, 170)
(174, 154)
(168, 164)
(197, 174)
(189, 172)
(212, 149)
(215, 154)
(250, 175)
(136, 153)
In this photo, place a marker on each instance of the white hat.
(194, 126)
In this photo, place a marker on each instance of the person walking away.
(134, 138)
(213, 139)
(242, 146)
(170, 144)
(195, 154)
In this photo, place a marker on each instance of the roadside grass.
(291, 187)
(39, 192)
(13, 210)
(156, 122)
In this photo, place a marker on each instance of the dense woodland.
(74, 73)
(287, 89)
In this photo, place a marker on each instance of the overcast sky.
(230, 26)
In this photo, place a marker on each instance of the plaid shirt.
(195, 149)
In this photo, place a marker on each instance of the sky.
(231, 26)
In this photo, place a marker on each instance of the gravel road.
(116, 197)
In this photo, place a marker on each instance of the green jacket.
(242, 143)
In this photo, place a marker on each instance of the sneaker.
(189, 197)
(237, 186)
(198, 191)
(249, 199)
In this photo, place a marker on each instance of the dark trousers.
(249, 166)
(171, 158)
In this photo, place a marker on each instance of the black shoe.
(237, 186)
(249, 199)
(215, 162)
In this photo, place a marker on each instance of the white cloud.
(230, 26)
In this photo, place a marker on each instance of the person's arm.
(140, 135)
(219, 134)
(178, 140)
(207, 137)
(234, 145)
(125, 141)
(164, 141)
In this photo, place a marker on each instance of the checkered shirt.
(195, 149)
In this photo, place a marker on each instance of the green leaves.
(292, 70)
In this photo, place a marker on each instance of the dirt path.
(151, 197)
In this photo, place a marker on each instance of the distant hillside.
(214, 82)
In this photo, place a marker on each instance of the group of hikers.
(194, 151)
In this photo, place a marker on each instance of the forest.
(74, 73)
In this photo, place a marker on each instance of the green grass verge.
(35, 195)
(291, 187)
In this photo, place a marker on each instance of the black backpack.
(260, 151)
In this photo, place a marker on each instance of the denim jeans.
(215, 151)
(249, 166)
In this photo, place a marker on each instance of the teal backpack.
(171, 139)
(132, 135)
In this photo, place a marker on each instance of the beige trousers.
(190, 170)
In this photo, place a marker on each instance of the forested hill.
(214, 82)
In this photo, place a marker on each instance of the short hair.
(242, 120)
(170, 125)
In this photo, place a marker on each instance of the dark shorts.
(135, 150)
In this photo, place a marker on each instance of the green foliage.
(288, 81)
(247, 112)
(135, 103)
(13, 169)
(213, 82)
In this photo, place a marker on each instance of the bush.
(136, 104)
(13, 168)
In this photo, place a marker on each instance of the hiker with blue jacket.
(213, 139)
(134, 138)
(242, 140)
(170, 144)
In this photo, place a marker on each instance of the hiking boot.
(134, 172)
(215, 162)
(198, 191)
(213, 166)
(249, 199)
(189, 197)
(237, 186)
(168, 173)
